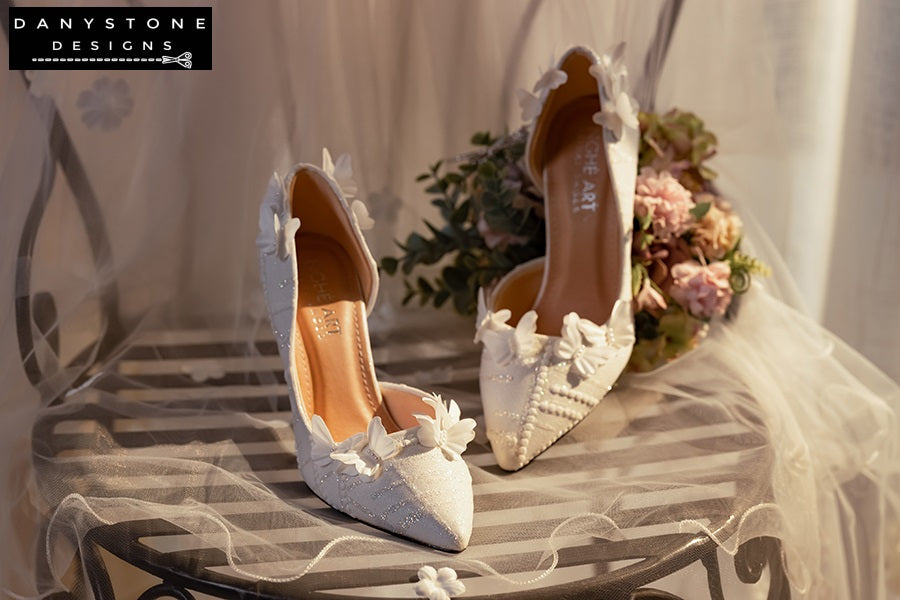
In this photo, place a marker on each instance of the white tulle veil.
(145, 222)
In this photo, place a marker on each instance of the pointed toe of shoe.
(446, 531)
(529, 405)
(506, 454)
(443, 511)
(422, 495)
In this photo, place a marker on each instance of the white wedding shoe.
(386, 454)
(558, 331)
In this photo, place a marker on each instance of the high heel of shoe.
(385, 454)
(558, 331)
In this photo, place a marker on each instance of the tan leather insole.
(337, 381)
(583, 233)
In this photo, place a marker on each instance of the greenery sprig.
(493, 221)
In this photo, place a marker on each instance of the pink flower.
(702, 289)
(666, 201)
(498, 239)
(648, 298)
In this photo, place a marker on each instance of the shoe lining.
(337, 379)
(584, 249)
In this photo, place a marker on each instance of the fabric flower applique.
(445, 431)
(584, 343)
(276, 231)
(531, 102)
(438, 584)
(366, 455)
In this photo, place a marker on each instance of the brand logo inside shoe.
(324, 320)
(588, 158)
(326, 323)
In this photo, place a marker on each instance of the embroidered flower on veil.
(617, 110)
(445, 431)
(276, 230)
(584, 343)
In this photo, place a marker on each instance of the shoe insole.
(584, 238)
(337, 380)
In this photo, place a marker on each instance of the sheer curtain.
(798, 91)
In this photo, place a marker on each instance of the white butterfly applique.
(618, 110)
(323, 444)
(526, 344)
(341, 170)
(367, 459)
(445, 431)
(584, 343)
(276, 230)
(531, 102)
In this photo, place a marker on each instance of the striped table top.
(666, 469)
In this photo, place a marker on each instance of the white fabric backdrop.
(798, 92)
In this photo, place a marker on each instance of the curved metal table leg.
(166, 590)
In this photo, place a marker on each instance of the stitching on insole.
(362, 362)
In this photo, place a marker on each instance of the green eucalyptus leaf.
(389, 264)
(461, 214)
(637, 278)
(441, 298)
(455, 278)
(482, 138)
(644, 221)
(707, 173)
(700, 209)
(415, 243)
(464, 302)
(437, 187)
(424, 285)
(487, 170)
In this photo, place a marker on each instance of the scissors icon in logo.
(183, 59)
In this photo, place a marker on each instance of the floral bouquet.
(687, 266)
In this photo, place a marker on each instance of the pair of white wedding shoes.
(557, 332)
